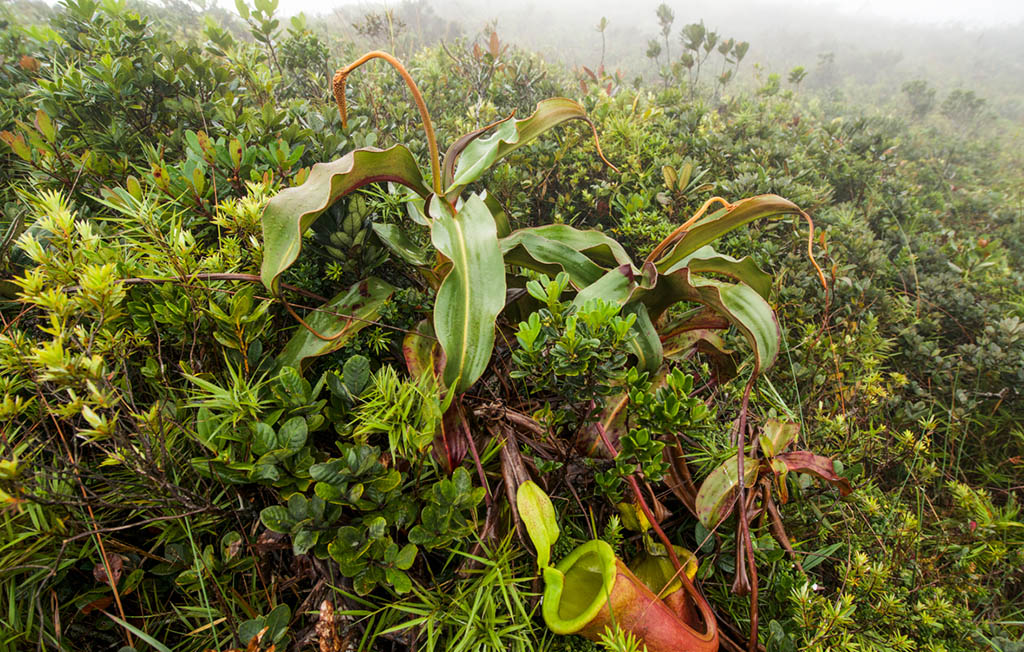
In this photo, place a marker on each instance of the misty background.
(871, 48)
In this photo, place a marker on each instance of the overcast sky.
(974, 13)
(970, 13)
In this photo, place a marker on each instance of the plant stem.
(428, 127)
(635, 486)
(706, 613)
(810, 248)
(744, 544)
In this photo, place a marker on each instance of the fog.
(866, 46)
(976, 14)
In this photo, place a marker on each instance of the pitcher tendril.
(682, 228)
(597, 144)
(339, 97)
(810, 248)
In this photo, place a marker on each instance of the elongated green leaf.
(499, 214)
(721, 222)
(143, 636)
(451, 157)
(538, 515)
(814, 559)
(473, 292)
(716, 493)
(594, 244)
(646, 345)
(340, 319)
(480, 154)
(292, 211)
(584, 255)
(397, 240)
(745, 270)
(616, 286)
(551, 256)
(739, 303)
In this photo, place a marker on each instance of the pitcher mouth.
(578, 586)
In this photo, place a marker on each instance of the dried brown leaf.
(326, 629)
(116, 563)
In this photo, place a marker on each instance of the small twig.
(479, 468)
(92, 517)
(515, 417)
(512, 473)
(155, 519)
(682, 485)
(253, 278)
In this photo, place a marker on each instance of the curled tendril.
(810, 248)
(681, 230)
(597, 143)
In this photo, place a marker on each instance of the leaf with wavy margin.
(551, 257)
(451, 157)
(706, 260)
(293, 210)
(479, 154)
(737, 302)
(355, 307)
(594, 244)
(584, 254)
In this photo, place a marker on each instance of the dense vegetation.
(185, 466)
